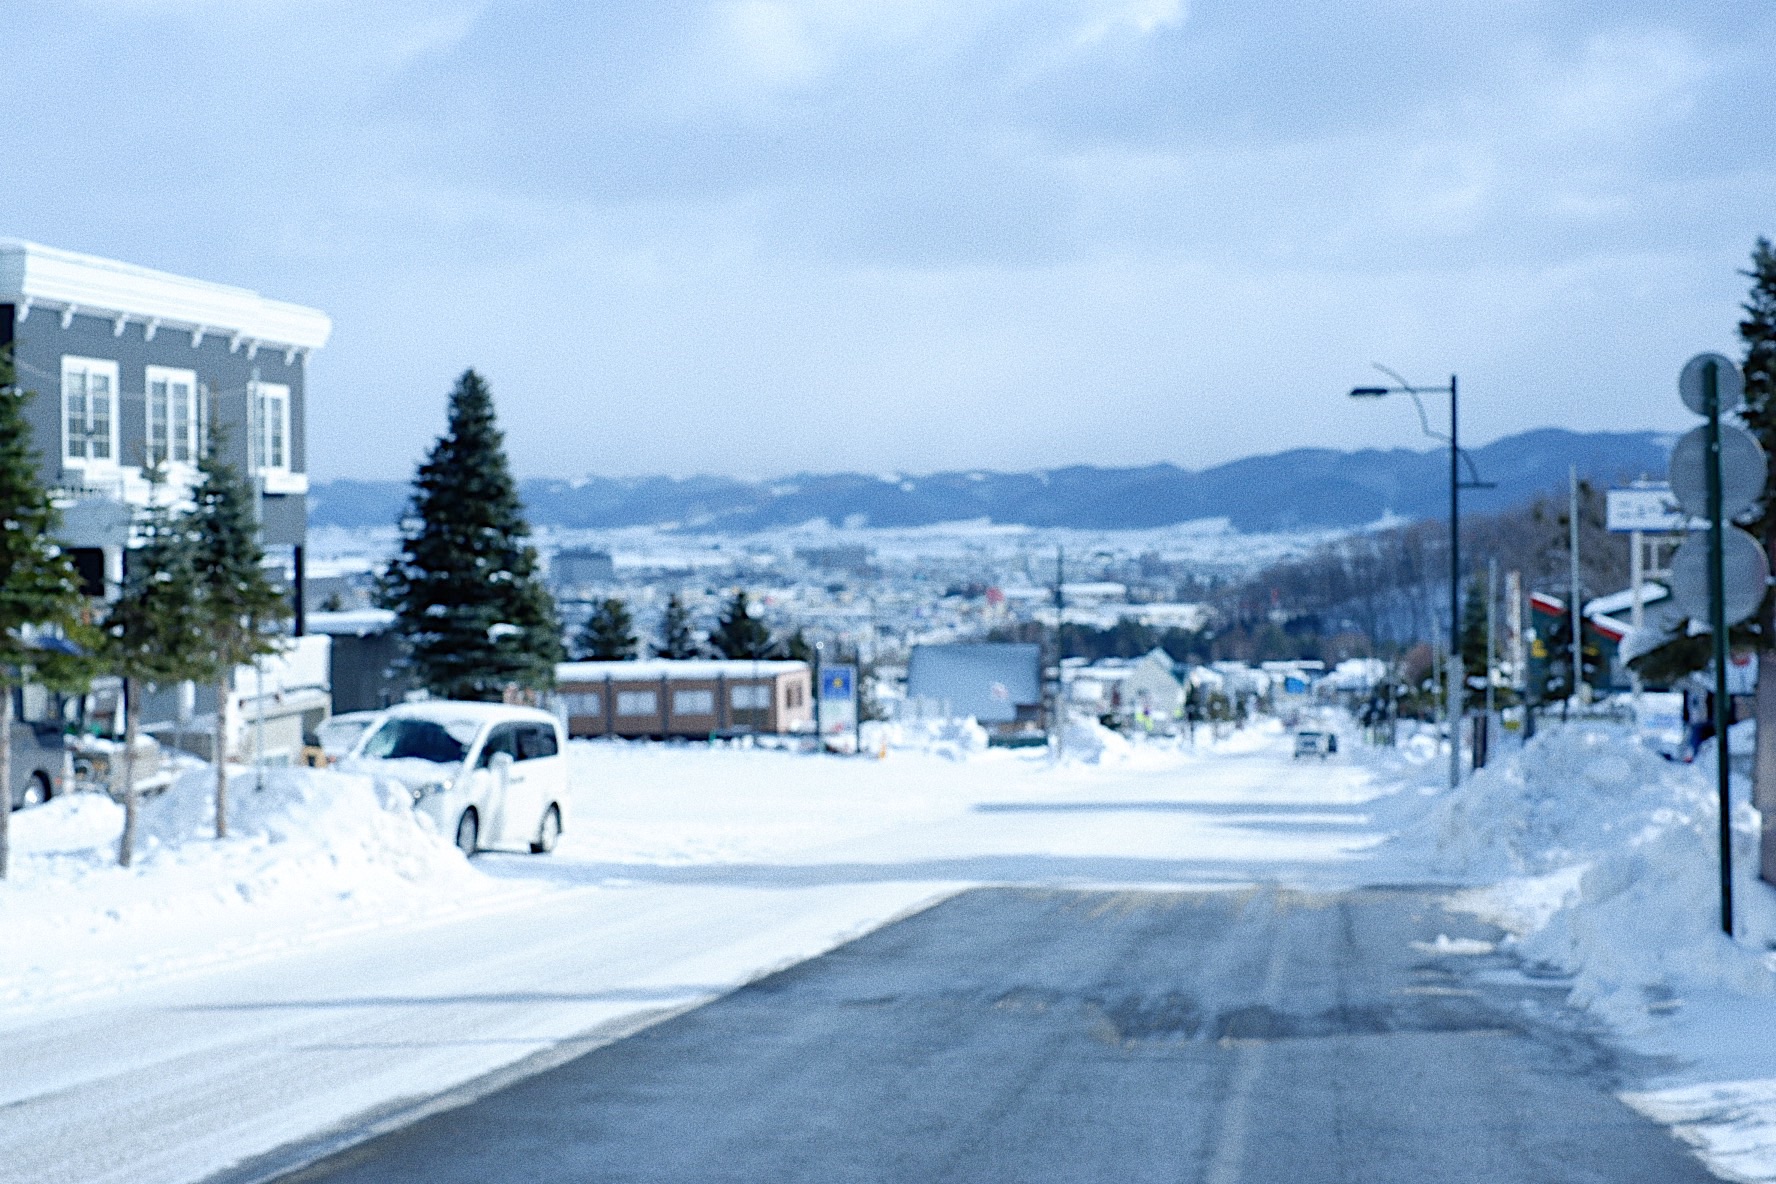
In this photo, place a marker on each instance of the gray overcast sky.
(761, 236)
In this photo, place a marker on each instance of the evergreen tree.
(39, 593)
(1476, 664)
(239, 607)
(1758, 332)
(465, 590)
(677, 640)
(798, 648)
(609, 635)
(739, 634)
(154, 632)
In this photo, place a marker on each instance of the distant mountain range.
(1300, 489)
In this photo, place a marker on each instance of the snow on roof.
(448, 709)
(675, 668)
(358, 622)
(33, 275)
(1616, 602)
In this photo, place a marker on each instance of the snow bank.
(308, 851)
(955, 739)
(1088, 741)
(1606, 857)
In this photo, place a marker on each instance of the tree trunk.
(1763, 770)
(224, 696)
(5, 775)
(126, 846)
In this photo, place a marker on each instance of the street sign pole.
(1717, 601)
(1455, 673)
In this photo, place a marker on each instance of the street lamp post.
(1454, 674)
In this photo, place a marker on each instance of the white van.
(490, 775)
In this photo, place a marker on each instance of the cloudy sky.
(762, 236)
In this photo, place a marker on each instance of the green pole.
(1717, 604)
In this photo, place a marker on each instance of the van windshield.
(442, 743)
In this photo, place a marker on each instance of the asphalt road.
(1042, 1035)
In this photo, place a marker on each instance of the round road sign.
(1743, 564)
(1744, 470)
(1729, 384)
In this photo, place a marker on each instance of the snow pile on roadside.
(352, 819)
(1567, 796)
(1607, 857)
(309, 851)
(1090, 742)
(956, 739)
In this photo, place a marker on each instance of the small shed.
(366, 671)
(997, 683)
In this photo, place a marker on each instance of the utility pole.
(819, 694)
(1577, 611)
(1060, 693)
(1484, 748)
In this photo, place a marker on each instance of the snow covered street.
(232, 1011)
(239, 1026)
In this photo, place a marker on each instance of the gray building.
(130, 366)
(576, 568)
(365, 670)
(999, 684)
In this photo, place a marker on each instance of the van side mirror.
(501, 764)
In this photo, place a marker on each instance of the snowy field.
(336, 959)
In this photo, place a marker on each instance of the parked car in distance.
(340, 736)
(41, 764)
(1312, 743)
(488, 774)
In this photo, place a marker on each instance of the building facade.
(130, 368)
(695, 697)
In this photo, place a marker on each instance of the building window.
(89, 410)
(638, 703)
(693, 702)
(271, 426)
(749, 698)
(172, 416)
(582, 703)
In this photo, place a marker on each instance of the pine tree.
(798, 648)
(1475, 661)
(739, 634)
(239, 607)
(40, 597)
(609, 636)
(154, 632)
(1758, 332)
(677, 640)
(465, 590)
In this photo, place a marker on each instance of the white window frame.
(85, 369)
(271, 426)
(170, 379)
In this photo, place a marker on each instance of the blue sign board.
(837, 682)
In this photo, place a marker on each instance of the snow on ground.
(310, 852)
(336, 943)
(1601, 859)
(337, 933)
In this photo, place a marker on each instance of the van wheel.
(468, 833)
(37, 790)
(549, 833)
